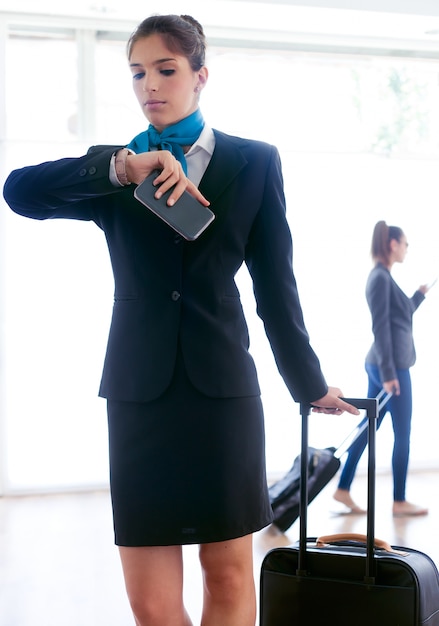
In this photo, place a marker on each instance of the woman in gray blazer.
(186, 432)
(388, 364)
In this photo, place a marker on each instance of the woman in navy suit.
(388, 364)
(186, 431)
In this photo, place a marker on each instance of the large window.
(358, 138)
(41, 88)
(359, 143)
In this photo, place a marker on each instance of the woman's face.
(164, 83)
(399, 249)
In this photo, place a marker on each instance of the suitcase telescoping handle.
(383, 397)
(371, 407)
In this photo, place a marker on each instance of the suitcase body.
(353, 581)
(405, 591)
(285, 493)
(323, 464)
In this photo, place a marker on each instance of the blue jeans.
(400, 408)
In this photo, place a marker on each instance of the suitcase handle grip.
(369, 404)
(378, 543)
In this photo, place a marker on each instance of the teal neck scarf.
(172, 138)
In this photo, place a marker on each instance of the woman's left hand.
(332, 404)
(424, 288)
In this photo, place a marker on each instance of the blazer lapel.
(226, 163)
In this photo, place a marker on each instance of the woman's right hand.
(139, 166)
(392, 386)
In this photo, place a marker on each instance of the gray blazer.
(392, 312)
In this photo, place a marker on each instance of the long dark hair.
(182, 34)
(381, 238)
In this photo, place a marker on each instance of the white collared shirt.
(199, 155)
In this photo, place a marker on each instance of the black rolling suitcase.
(323, 464)
(350, 580)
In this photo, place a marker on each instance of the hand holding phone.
(187, 216)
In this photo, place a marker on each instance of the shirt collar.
(206, 142)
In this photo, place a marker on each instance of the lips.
(153, 103)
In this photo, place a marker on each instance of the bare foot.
(404, 508)
(343, 496)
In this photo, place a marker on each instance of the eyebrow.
(158, 62)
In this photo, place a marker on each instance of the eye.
(167, 72)
(138, 76)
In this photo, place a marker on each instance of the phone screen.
(187, 216)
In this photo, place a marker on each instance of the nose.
(148, 84)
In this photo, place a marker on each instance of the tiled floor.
(59, 567)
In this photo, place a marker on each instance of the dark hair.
(182, 34)
(381, 238)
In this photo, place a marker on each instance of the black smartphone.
(187, 216)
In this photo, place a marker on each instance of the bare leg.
(229, 587)
(154, 583)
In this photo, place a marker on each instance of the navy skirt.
(187, 468)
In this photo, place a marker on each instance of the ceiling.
(396, 27)
(420, 7)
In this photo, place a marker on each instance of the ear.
(393, 245)
(203, 75)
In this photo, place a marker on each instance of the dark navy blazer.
(392, 323)
(168, 290)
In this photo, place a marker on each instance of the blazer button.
(92, 170)
(175, 295)
(82, 172)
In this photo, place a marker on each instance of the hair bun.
(193, 22)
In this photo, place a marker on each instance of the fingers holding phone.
(425, 288)
(169, 175)
(165, 182)
(140, 166)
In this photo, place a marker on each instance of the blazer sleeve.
(269, 259)
(417, 298)
(65, 188)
